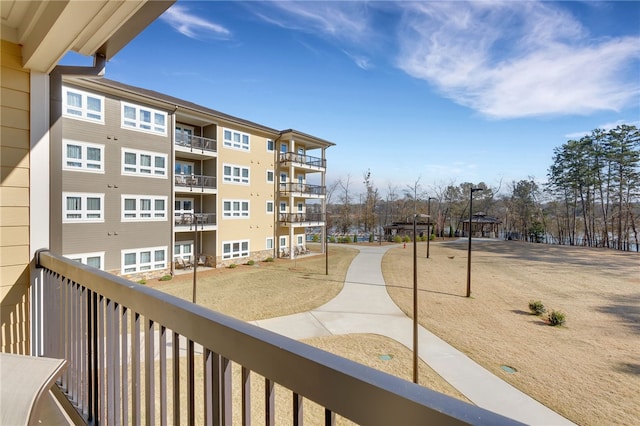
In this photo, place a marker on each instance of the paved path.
(364, 306)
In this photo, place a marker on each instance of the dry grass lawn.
(587, 370)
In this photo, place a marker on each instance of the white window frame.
(152, 265)
(235, 254)
(283, 240)
(233, 212)
(283, 207)
(270, 202)
(273, 176)
(273, 145)
(178, 252)
(139, 215)
(232, 178)
(82, 112)
(300, 240)
(151, 171)
(82, 257)
(269, 243)
(236, 140)
(83, 212)
(300, 207)
(140, 125)
(84, 162)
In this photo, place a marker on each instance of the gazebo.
(481, 226)
(406, 229)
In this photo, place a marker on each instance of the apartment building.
(143, 183)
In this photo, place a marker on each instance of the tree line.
(591, 198)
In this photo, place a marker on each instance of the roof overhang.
(47, 30)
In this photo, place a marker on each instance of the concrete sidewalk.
(364, 306)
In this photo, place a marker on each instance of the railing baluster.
(124, 359)
(163, 375)
(109, 364)
(211, 388)
(298, 419)
(101, 361)
(135, 370)
(246, 396)
(226, 397)
(191, 398)
(269, 397)
(176, 378)
(66, 323)
(149, 373)
(84, 355)
(117, 364)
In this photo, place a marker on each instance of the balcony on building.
(301, 190)
(199, 184)
(302, 161)
(185, 222)
(192, 146)
(301, 219)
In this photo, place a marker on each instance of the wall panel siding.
(14, 201)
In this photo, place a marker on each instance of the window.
(235, 174)
(283, 207)
(82, 105)
(183, 249)
(136, 208)
(269, 207)
(270, 176)
(80, 207)
(145, 119)
(184, 134)
(144, 163)
(235, 208)
(300, 239)
(283, 177)
(234, 139)
(270, 145)
(283, 242)
(269, 244)
(284, 148)
(300, 207)
(82, 156)
(184, 168)
(95, 260)
(235, 249)
(144, 259)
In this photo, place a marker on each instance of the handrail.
(196, 142)
(301, 217)
(84, 306)
(201, 182)
(302, 159)
(303, 188)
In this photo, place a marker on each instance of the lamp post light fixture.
(469, 253)
(415, 300)
(429, 223)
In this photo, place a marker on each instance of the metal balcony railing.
(195, 182)
(190, 219)
(303, 188)
(286, 157)
(197, 143)
(137, 355)
(301, 217)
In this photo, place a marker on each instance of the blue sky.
(444, 92)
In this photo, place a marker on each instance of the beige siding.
(14, 201)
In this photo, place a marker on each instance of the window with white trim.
(235, 208)
(235, 139)
(82, 156)
(283, 207)
(235, 249)
(283, 242)
(270, 207)
(139, 208)
(82, 207)
(300, 207)
(235, 174)
(136, 117)
(270, 176)
(300, 239)
(143, 259)
(95, 260)
(144, 163)
(82, 105)
(183, 249)
(269, 244)
(270, 145)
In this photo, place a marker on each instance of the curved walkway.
(364, 306)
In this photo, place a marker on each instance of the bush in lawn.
(556, 318)
(370, 238)
(143, 282)
(269, 259)
(536, 307)
(355, 238)
(316, 238)
(233, 265)
(406, 239)
(251, 262)
(165, 278)
(397, 239)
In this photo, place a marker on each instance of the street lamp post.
(429, 223)
(415, 300)
(469, 254)
(195, 255)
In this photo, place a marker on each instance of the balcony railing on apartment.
(197, 143)
(303, 188)
(286, 157)
(195, 182)
(301, 217)
(137, 355)
(190, 219)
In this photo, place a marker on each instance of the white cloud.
(517, 59)
(191, 25)
(605, 127)
(360, 61)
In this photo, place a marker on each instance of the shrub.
(556, 318)
(233, 265)
(370, 238)
(536, 307)
(406, 239)
(251, 262)
(397, 239)
(143, 282)
(269, 259)
(355, 238)
(316, 238)
(332, 239)
(165, 278)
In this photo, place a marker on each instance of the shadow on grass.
(629, 368)
(521, 312)
(626, 308)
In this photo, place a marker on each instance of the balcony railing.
(301, 217)
(303, 188)
(196, 143)
(190, 219)
(132, 353)
(286, 157)
(195, 182)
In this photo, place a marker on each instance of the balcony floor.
(51, 413)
